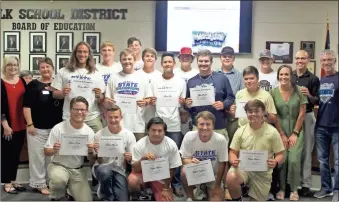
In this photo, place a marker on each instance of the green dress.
(288, 113)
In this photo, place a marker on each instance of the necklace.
(205, 78)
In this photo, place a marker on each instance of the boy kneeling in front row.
(205, 144)
(259, 136)
(154, 146)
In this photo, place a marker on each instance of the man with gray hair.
(327, 125)
(309, 84)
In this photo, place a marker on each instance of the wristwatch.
(295, 132)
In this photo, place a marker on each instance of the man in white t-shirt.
(205, 144)
(168, 94)
(134, 44)
(66, 171)
(154, 146)
(148, 73)
(267, 76)
(185, 72)
(127, 86)
(111, 171)
(108, 66)
(80, 77)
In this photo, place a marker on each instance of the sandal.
(227, 195)
(19, 187)
(44, 190)
(294, 196)
(280, 195)
(10, 189)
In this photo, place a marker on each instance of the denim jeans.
(113, 185)
(177, 138)
(324, 136)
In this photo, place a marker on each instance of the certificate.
(82, 88)
(199, 173)
(110, 147)
(167, 98)
(73, 145)
(240, 110)
(252, 160)
(127, 103)
(202, 96)
(155, 170)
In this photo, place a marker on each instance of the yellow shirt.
(267, 138)
(262, 95)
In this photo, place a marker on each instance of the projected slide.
(203, 25)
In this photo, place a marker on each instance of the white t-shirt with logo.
(129, 84)
(127, 138)
(107, 71)
(170, 115)
(64, 78)
(138, 65)
(149, 110)
(186, 75)
(268, 81)
(216, 149)
(167, 148)
(63, 128)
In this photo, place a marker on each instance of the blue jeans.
(177, 138)
(324, 136)
(113, 185)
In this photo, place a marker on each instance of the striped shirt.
(235, 78)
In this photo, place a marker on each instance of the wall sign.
(58, 14)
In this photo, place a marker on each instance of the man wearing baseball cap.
(267, 76)
(227, 58)
(186, 58)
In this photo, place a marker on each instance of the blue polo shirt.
(329, 101)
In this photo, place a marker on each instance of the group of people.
(182, 116)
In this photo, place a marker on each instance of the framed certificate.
(309, 47)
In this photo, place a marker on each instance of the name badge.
(45, 92)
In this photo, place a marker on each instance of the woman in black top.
(42, 112)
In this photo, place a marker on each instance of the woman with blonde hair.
(42, 112)
(13, 127)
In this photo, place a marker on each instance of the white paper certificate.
(155, 170)
(240, 110)
(73, 145)
(199, 173)
(252, 160)
(82, 88)
(167, 98)
(110, 147)
(127, 103)
(202, 96)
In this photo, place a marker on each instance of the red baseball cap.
(186, 51)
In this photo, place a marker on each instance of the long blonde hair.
(73, 62)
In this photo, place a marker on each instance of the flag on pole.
(327, 44)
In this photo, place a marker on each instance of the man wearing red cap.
(185, 72)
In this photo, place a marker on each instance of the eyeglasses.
(301, 58)
(328, 60)
(79, 110)
(12, 65)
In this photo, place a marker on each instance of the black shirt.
(312, 83)
(46, 111)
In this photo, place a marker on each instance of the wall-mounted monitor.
(203, 25)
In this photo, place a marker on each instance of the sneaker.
(322, 194)
(305, 192)
(270, 197)
(199, 194)
(335, 196)
(189, 199)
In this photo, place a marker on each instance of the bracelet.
(163, 189)
(295, 132)
(29, 125)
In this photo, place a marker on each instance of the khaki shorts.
(259, 184)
